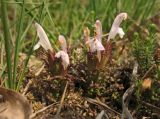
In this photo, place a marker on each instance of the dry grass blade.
(27, 87)
(153, 107)
(125, 101)
(98, 102)
(127, 95)
(149, 70)
(101, 115)
(61, 102)
(42, 110)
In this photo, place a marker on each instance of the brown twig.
(42, 110)
(127, 95)
(2, 82)
(27, 87)
(98, 102)
(149, 70)
(156, 109)
(61, 102)
(101, 114)
(58, 77)
(40, 70)
(125, 102)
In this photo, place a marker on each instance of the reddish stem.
(108, 48)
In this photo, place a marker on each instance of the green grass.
(7, 40)
(67, 17)
(17, 44)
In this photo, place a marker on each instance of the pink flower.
(99, 33)
(64, 57)
(116, 29)
(43, 39)
(63, 52)
(62, 42)
(45, 43)
(98, 30)
(95, 44)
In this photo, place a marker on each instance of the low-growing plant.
(70, 17)
(144, 49)
(57, 62)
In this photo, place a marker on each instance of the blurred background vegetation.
(67, 17)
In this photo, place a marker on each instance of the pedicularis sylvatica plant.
(95, 44)
(57, 62)
(97, 53)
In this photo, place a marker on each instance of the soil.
(105, 86)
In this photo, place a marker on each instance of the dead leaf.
(146, 84)
(13, 105)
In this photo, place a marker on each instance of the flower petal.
(65, 60)
(121, 32)
(99, 46)
(44, 41)
(62, 42)
(58, 54)
(98, 30)
(112, 33)
(64, 57)
(119, 18)
(91, 45)
(95, 45)
(37, 46)
(115, 26)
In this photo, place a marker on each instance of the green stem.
(94, 8)
(25, 64)
(28, 55)
(18, 45)
(7, 38)
(28, 11)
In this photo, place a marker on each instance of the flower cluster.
(45, 43)
(93, 44)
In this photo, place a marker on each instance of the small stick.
(2, 82)
(27, 87)
(101, 115)
(125, 101)
(40, 70)
(157, 109)
(61, 102)
(41, 110)
(58, 77)
(98, 102)
(127, 95)
(149, 70)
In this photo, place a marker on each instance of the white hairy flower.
(95, 45)
(98, 30)
(64, 57)
(116, 29)
(63, 52)
(62, 42)
(43, 39)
